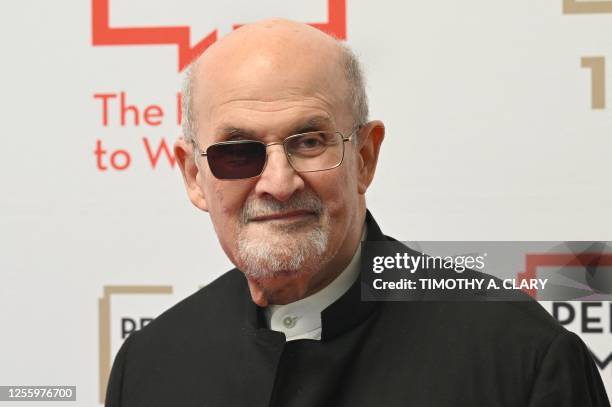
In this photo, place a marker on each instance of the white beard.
(282, 255)
(285, 250)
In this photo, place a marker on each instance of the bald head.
(271, 38)
(272, 60)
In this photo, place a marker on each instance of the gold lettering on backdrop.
(587, 7)
(597, 65)
(104, 320)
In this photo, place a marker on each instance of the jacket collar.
(341, 316)
(349, 311)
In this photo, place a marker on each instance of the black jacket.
(213, 349)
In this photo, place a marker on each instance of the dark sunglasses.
(306, 152)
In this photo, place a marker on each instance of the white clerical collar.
(302, 319)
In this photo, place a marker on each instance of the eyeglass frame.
(354, 132)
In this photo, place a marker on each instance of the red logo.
(103, 34)
(535, 260)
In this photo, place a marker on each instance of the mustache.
(256, 207)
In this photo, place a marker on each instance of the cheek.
(226, 199)
(336, 190)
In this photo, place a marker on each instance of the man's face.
(281, 222)
(290, 233)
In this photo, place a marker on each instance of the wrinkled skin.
(269, 79)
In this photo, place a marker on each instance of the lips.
(290, 215)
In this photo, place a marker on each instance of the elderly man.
(279, 151)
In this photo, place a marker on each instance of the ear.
(370, 138)
(184, 154)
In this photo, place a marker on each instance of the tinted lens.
(236, 160)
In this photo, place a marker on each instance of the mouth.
(290, 216)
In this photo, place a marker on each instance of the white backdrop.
(495, 131)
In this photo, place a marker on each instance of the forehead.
(248, 128)
(276, 118)
(273, 88)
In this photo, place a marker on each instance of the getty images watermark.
(486, 271)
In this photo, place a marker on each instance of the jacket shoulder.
(194, 316)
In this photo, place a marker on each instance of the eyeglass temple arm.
(353, 133)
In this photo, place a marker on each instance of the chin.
(283, 254)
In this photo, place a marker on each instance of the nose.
(278, 180)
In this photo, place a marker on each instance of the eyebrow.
(236, 133)
(314, 123)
